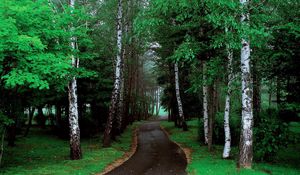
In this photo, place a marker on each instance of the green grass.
(41, 154)
(210, 163)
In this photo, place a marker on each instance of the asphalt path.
(155, 154)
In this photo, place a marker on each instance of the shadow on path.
(155, 155)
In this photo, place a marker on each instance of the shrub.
(219, 135)
(270, 136)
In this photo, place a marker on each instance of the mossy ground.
(204, 162)
(41, 154)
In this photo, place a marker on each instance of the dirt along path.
(155, 154)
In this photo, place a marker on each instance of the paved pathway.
(155, 155)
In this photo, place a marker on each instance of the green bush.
(219, 134)
(270, 136)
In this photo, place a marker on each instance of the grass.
(41, 154)
(204, 162)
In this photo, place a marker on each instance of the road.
(155, 155)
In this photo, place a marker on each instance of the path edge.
(127, 155)
(187, 151)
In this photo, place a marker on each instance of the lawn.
(204, 162)
(41, 154)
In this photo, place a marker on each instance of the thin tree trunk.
(42, 117)
(246, 139)
(278, 93)
(227, 148)
(58, 114)
(30, 115)
(14, 111)
(120, 109)
(270, 93)
(117, 83)
(180, 109)
(136, 104)
(153, 102)
(212, 112)
(205, 104)
(256, 93)
(158, 106)
(2, 145)
(75, 148)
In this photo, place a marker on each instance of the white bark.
(227, 148)
(246, 140)
(180, 110)
(157, 101)
(120, 112)
(73, 106)
(117, 83)
(205, 104)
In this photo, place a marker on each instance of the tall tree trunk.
(75, 148)
(58, 115)
(212, 112)
(256, 92)
(270, 88)
(182, 122)
(227, 148)
(42, 117)
(14, 111)
(278, 92)
(120, 109)
(117, 83)
(157, 102)
(246, 139)
(153, 102)
(205, 104)
(30, 116)
(2, 145)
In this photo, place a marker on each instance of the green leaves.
(29, 44)
(34, 44)
(187, 51)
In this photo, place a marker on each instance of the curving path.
(155, 155)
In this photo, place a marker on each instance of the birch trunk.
(205, 104)
(75, 149)
(120, 111)
(180, 110)
(158, 101)
(117, 83)
(246, 139)
(227, 148)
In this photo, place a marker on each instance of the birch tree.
(179, 103)
(246, 139)
(117, 84)
(75, 149)
(205, 104)
(227, 148)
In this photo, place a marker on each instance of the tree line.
(231, 54)
(99, 65)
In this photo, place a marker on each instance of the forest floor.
(155, 155)
(41, 154)
(204, 162)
